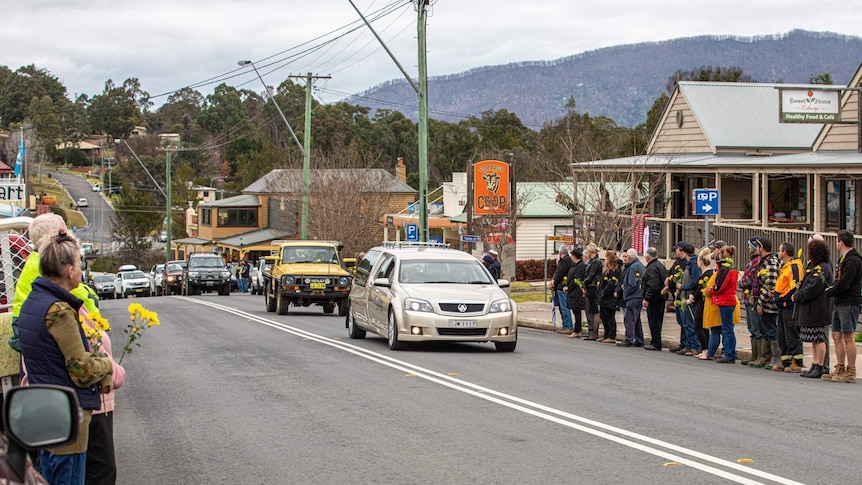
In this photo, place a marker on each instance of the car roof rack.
(413, 244)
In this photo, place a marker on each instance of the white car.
(97, 188)
(419, 293)
(131, 283)
(82, 202)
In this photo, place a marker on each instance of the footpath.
(538, 315)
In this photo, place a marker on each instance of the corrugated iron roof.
(745, 115)
(706, 161)
(243, 200)
(289, 181)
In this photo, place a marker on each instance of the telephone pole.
(306, 153)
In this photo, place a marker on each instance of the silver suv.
(410, 293)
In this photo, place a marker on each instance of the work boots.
(776, 356)
(765, 354)
(755, 352)
(795, 367)
(839, 369)
(848, 376)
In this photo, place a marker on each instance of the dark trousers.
(577, 321)
(101, 463)
(609, 321)
(632, 321)
(699, 331)
(789, 339)
(655, 319)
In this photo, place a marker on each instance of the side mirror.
(38, 416)
(503, 283)
(383, 282)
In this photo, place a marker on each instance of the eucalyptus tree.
(118, 109)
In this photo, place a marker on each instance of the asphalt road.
(99, 213)
(223, 392)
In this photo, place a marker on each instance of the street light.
(305, 159)
(272, 97)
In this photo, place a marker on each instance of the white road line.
(586, 425)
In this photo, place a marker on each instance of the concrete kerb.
(538, 315)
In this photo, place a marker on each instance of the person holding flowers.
(813, 309)
(101, 462)
(574, 289)
(56, 351)
(789, 276)
(608, 302)
(699, 300)
(723, 293)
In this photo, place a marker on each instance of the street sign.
(412, 232)
(470, 238)
(705, 202)
(560, 238)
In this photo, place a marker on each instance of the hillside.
(619, 82)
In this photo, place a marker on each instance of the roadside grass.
(528, 296)
(50, 186)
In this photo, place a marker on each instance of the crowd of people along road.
(786, 301)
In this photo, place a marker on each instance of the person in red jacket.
(724, 296)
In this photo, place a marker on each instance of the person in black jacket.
(847, 295)
(652, 284)
(608, 303)
(575, 290)
(563, 267)
(812, 309)
(591, 285)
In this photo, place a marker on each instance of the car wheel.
(224, 291)
(269, 299)
(352, 330)
(281, 304)
(343, 307)
(505, 346)
(329, 308)
(392, 333)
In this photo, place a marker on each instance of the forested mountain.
(619, 82)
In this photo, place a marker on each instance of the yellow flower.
(100, 321)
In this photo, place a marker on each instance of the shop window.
(841, 205)
(237, 217)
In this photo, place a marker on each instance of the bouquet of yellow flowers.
(94, 334)
(141, 319)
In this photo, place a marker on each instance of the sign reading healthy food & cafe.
(809, 106)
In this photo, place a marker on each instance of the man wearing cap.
(767, 276)
(562, 271)
(494, 266)
(488, 261)
(690, 342)
(674, 277)
(750, 290)
(716, 247)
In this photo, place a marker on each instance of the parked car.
(173, 282)
(419, 293)
(205, 272)
(97, 188)
(163, 236)
(157, 278)
(103, 285)
(36, 416)
(131, 283)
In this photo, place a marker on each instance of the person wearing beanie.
(560, 274)
(767, 276)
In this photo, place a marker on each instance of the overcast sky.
(171, 44)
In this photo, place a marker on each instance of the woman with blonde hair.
(696, 300)
(55, 349)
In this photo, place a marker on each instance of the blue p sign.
(412, 232)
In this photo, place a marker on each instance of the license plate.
(317, 286)
(462, 323)
(139, 290)
(209, 283)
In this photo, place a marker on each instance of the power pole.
(306, 155)
(423, 121)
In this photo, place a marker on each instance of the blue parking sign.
(705, 202)
(412, 232)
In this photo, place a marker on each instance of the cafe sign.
(809, 106)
